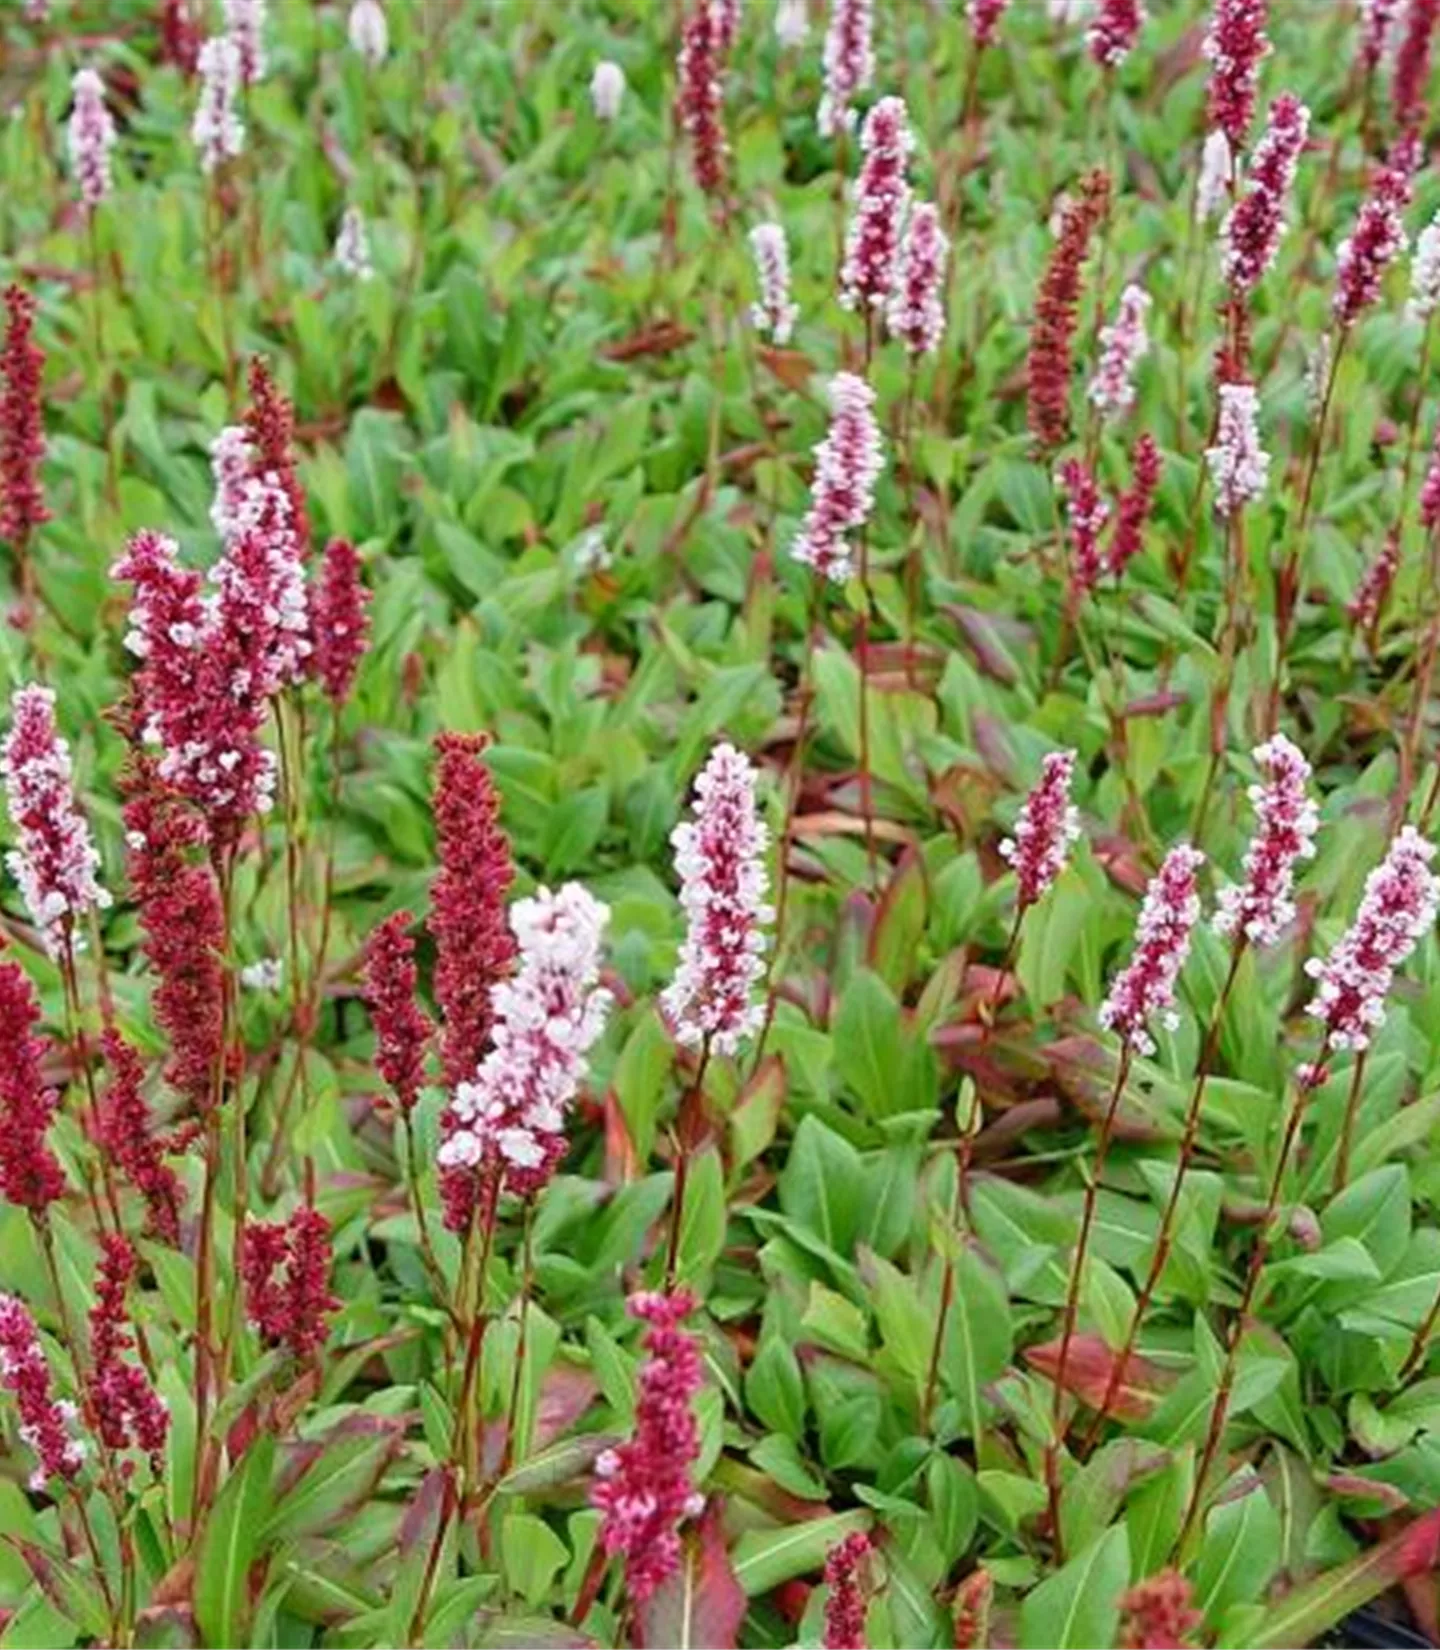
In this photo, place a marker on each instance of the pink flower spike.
(245, 26)
(984, 19)
(1086, 513)
(1368, 602)
(720, 856)
(1135, 505)
(1377, 17)
(872, 242)
(340, 625)
(1123, 345)
(774, 313)
(848, 463)
(1430, 489)
(129, 1412)
(512, 1113)
(1398, 909)
(699, 99)
(1113, 31)
(402, 1029)
(1262, 906)
(917, 304)
(90, 137)
(1235, 46)
(22, 422)
(1378, 238)
(217, 130)
(1253, 227)
(45, 1422)
(54, 861)
(849, 58)
(1145, 988)
(232, 462)
(30, 1173)
(845, 1607)
(645, 1488)
(1239, 465)
(1412, 63)
(1047, 825)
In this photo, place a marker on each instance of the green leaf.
(230, 1544)
(1079, 1606)
(1239, 1554)
(877, 1056)
(817, 1185)
(762, 1559)
(533, 1555)
(979, 1337)
(702, 1221)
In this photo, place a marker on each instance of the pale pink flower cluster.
(352, 246)
(1253, 227)
(90, 137)
(1122, 347)
(984, 19)
(1259, 909)
(1086, 513)
(547, 1017)
(1235, 45)
(916, 315)
(774, 314)
(368, 32)
(1145, 988)
(645, 1487)
(1378, 238)
(792, 26)
(54, 861)
(872, 242)
(217, 130)
(245, 25)
(261, 594)
(848, 463)
(1239, 465)
(1214, 177)
(720, 857)
(607, 90)
(1047, 825)
(849, 58)
(1113, 30)
(1398, 908)
(1377, 17)
(232, 459)
(1425, 273)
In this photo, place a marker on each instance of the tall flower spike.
(1260, 908)
(1377, 17)
(474, 948)
(792, 25)
(1239, 465)
(259, 622)
(1047, 825)
(368, 32)
(45, 1421)
(1145, 988)
(1113, 31)
(339, 623)
(183, 921)
(1086, 513)
(1254, 225)
(699, 100)
(127, 1409)
(1378, 237)
(511, 1116)
(217, 130)
(849, 58)
(1135, 505)
(1430, 487)
(1052, 333)
(916, 314)
(872, 242)
(127, 1134)
(720, 856)
(1122, 347)
(90, 137)
(1425, 273)
(645, 1488)
(1368, 602)
(22, 423)
(1412, 64)
(774, 314)
(984, 19)
(286, 1266)
(54, 861)
(30, 1173)
(232, 463)
(352, 246)
(270, 425)
(844, 1626)
(607, 90)
(848, 463)
(245, 25)
(402, 1029)
(1235, 46)
(1214, 176)
(1401, 896)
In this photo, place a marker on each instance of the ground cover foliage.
(721, 762)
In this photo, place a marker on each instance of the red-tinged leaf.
(986, 643)
(1382, 1497)
(702, 1606)
(1155, 704)
(792, 367)
(1089, 1365)
(831, 822)
(76, 1595)
(1085, 1071)
(166, 1627)
(339, 1479)
(756, 1115)
(900, 922)
(565, 1396)
(1301, 1617)
(229, 1546)
(659, 338)
(433, 1502)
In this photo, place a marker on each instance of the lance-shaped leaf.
(702, 1605)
